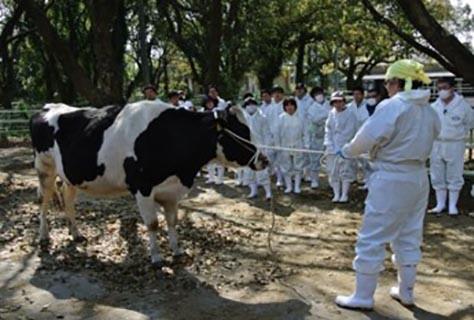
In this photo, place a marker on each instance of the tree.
(108, 35)
(442, 45)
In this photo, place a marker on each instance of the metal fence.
(14, 123)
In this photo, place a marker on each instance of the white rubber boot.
(279, 175)
(268, 191)
(314, 181)
(211, 174)
(345, 191)
(220, 175)
(336, 188)
(297, 188)
(288, 184)
(453, 202)
(253, 190)
(441, 196)
(406, 282)
(363, 297)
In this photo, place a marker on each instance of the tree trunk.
(213, 41)
(300, 59)
(56, 46)
(108, 41)
(7, 78)
(142, 35)
(438, 37)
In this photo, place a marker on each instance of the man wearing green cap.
(398, 138)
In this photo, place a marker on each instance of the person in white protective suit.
(341, 127)
(398, 137)
(359, 106)
(316, 116)
(304, 100)
(278, 95)
(291, 134)
(240, 172)
(447, 157)
(260, 129)
(215, 171)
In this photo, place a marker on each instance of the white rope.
(262, 146)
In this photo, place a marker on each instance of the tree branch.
(407, 38)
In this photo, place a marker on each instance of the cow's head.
(233, 134)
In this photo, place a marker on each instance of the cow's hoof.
(44, 244)
(158, 264)
(80, 239)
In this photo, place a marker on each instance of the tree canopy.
(104, 51)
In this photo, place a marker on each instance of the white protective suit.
(292, 133)
(303, 105)
(273, 115)
(260, 129)
(341, 127)
(221, 104)
(361, 111)
(362, 116)
(316, 116)
(399, 137)
(302, 111)
(447, 157)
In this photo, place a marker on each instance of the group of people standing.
(308, 121)
(389, 139)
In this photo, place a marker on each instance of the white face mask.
(319, 98)
(251, 109)
(371, 101)
(444, 94)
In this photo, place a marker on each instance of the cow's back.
(72, 137)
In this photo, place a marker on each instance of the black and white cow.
(148, 148)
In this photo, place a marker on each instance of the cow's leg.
(69, 196)
(171, 215)
(47, 176)
(147, 207)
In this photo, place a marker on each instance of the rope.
(262, 146)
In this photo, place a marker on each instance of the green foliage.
(322, 40)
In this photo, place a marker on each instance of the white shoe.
(253, 191)
(336, 188)
(441, 196)
(268, 191)
(453, 201)
(210, 181)
(345, 191)
(406, 282)
(314, 184)
(363, 297)
(344, 198)
(288, 184)
(297, 188)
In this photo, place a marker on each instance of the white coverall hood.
(416, 97)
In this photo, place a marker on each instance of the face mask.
(444, 94)
(251, 109)
(319, 98)
(371, 101)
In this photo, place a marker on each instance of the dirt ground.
(230, 273)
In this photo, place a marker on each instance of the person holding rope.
(399, 138)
